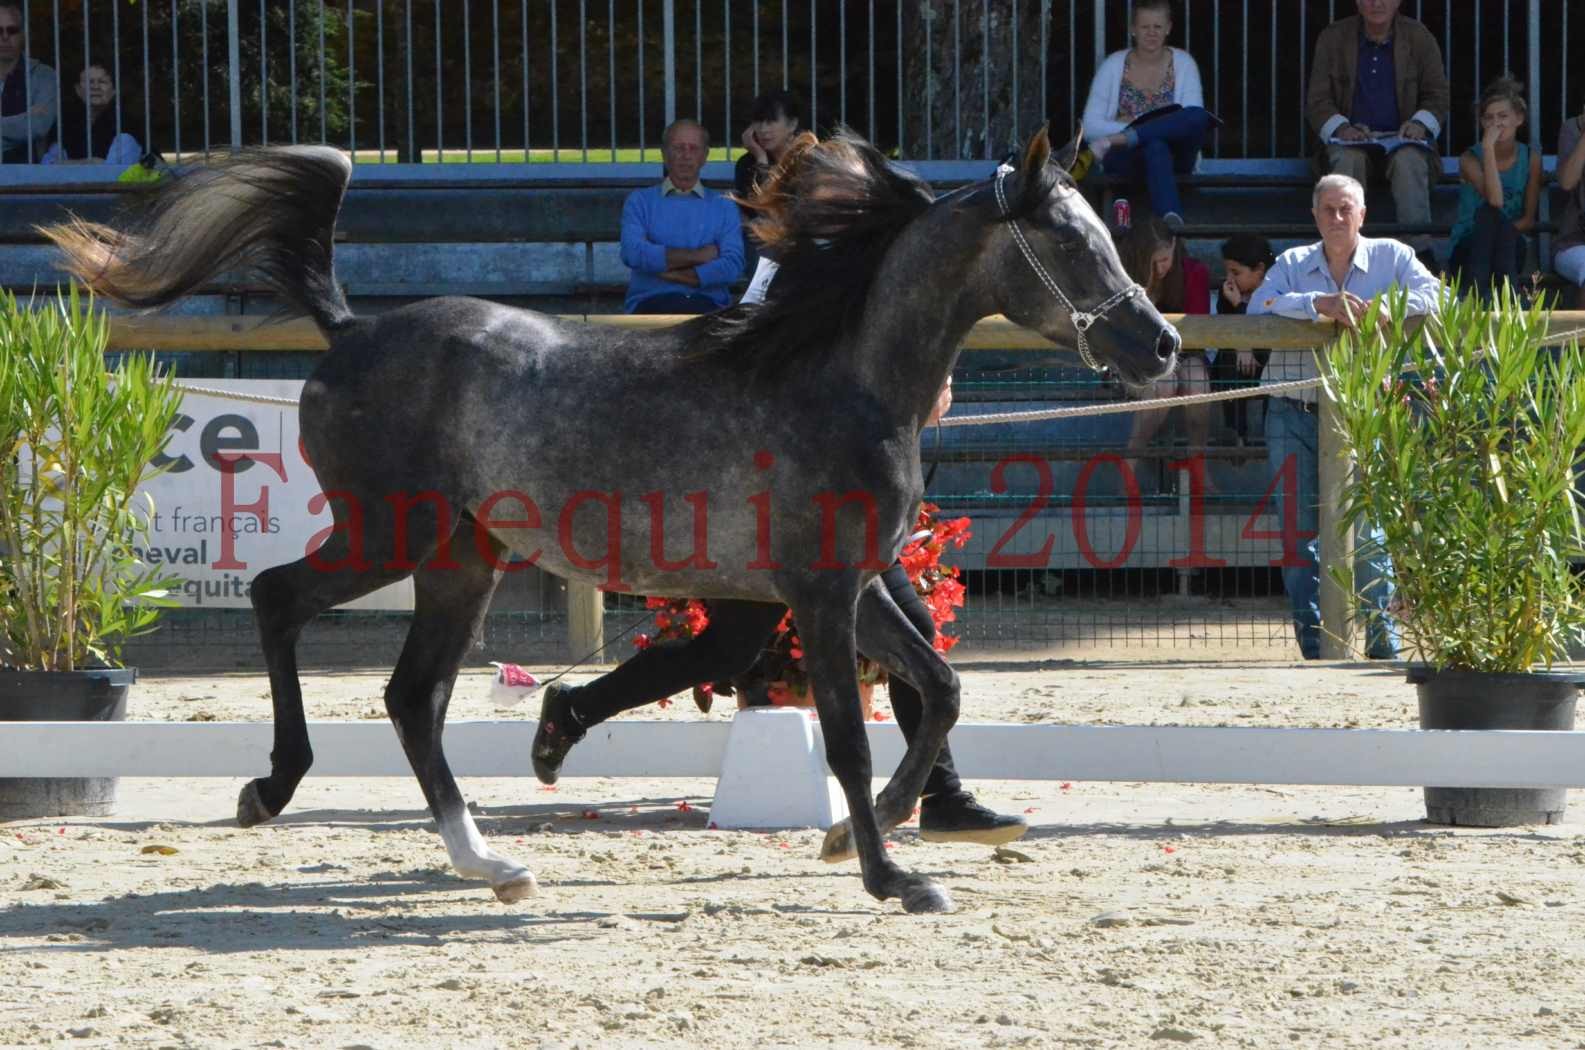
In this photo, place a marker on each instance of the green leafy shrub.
(75, 442)
(1466, 431)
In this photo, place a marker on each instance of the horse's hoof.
(516, 889)
(251, 809)
(838, 845)
(923, 897)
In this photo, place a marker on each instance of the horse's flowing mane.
(828, 213)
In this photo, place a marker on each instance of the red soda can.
(1122, 213)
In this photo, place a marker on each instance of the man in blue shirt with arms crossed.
(1332, 279)
(683, 243)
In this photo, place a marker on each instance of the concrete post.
(585, 619)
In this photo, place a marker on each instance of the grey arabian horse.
(777, 445)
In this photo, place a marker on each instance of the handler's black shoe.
(558, 731)
(958, 818)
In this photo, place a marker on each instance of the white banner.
(220, 520)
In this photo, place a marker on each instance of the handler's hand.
(1247, 364)
(1345, 308)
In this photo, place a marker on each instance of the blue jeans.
(1490, 254)
(1291, 431)
(1167, 147)
(676, 303)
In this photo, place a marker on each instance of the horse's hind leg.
(285, 599)
(885, 635)
(450, 606)
(826, 626)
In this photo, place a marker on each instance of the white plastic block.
(774, 774)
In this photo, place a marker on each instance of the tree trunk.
(971, 72)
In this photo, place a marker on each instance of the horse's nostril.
(1168, 344)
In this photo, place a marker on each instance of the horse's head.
(1056, 271)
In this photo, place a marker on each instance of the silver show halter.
(1082, 319)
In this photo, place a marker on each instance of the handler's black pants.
(660, 671)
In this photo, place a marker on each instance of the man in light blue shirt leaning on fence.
(683, 242)
(1334, 278)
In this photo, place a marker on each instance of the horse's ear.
(1036, 154)
(1066, 156)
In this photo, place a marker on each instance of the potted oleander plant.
(76, 441)
(1466, 431)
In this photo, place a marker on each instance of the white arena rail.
(1167, 754)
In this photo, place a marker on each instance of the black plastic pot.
(1478, 700)
(61, 696)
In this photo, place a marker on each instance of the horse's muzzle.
(1168, 344)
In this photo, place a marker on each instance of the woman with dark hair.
(87, 131)
(774, 120)
(1245, 259)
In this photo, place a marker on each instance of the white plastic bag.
(512, 684)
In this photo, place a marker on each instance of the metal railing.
(593, 81)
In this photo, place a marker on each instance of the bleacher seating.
(548, 235)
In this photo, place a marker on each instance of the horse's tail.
(267, 213)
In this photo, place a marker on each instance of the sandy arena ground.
(1132, 915)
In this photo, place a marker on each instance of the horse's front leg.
(826, 628)
(885, 635)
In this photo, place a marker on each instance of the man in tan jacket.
(1379, 74)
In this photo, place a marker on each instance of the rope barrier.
(237, 395)
(1114, 407)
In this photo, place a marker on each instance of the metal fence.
(595, 80)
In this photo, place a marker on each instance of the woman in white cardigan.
(1134, 82)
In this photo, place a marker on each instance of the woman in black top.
(774, 121)
(1246, 257)
(87, 129)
